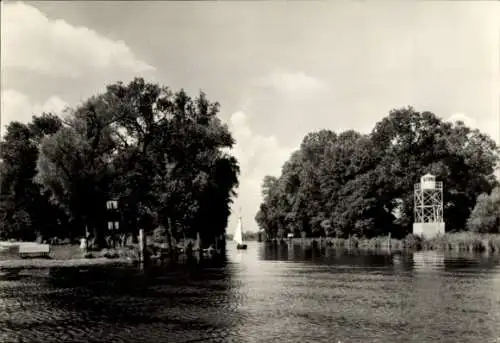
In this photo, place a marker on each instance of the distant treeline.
(160, 154)
(247, 236)
(352, 184)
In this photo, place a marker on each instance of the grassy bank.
(71, 255)
(464, 241)
(67, 256)
(47, 263)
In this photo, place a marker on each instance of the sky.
(278, 69)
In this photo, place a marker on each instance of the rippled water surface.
(264, 294)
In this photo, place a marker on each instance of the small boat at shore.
(25, 249)
(238, 236)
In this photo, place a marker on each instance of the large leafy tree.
(159, 153)
(348, 183)
(24, 209)
(413, 144)
(485, 217)
(74, 167)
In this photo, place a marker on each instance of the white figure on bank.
(83, 244)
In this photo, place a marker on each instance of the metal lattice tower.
(428, 200)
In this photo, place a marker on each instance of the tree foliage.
(158, 153)
(485, 218)
(354, 184)
(25, 211)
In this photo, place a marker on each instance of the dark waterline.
(264, 294)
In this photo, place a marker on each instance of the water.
(264, 294)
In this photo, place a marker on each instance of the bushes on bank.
(466, 241)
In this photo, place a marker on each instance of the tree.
(349, 183)
(26, 211)
(412, 144)
(268, 217)
(159, 153)
(73, 166)
(485, 218)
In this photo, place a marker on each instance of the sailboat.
(238, 236)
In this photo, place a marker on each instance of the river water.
(264, 294)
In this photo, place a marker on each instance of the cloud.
(470, 122)
(292, 83)
(31, 41)
(262, 145)
(490, 126)
(16, 106)
(258, 156)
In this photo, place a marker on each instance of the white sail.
(238, 235)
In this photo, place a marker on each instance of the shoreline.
(462, 241)
(450, 242)
(72, 256)
(51, 263)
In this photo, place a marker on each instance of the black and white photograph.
(250, 171)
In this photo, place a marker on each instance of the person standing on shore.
(83, 244)
(84, 241)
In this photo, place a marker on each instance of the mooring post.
(199, 246)
(87, 235)
(142, 246)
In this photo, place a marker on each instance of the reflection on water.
(264, 294)
(425, 261)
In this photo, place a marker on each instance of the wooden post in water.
(142, 246)
(199, 247)
(87, 235)
(389, 241)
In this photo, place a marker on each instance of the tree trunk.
(100, 240)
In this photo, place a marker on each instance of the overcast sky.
(279, 69)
